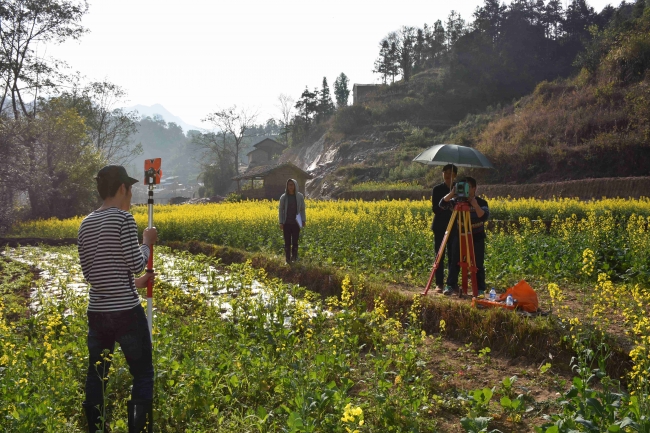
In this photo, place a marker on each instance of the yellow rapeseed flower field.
(394, 237)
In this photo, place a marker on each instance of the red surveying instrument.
(152, 175)
(467, 259)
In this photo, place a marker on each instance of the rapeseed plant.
(393, 239)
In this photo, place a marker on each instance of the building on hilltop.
(269, 181)
(361, 92)
(265, 151)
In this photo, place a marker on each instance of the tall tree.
(307, 105)
(217, 165)
(286, 107)
(325, 104)
(383, 62)
(553, 17)
(578, 17)
(109, 128)
(406, 61)
(393, 56)
(233, 123)
(61, 162)
(14, 168)
(418, 49)
(437, 44)
(23, 25)
(455, 28)
(341, 90)
(489, 19)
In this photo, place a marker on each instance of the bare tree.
(233, 123)
(286, 104)
(110, 129)
(23, 25)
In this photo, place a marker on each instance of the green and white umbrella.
(461, 156)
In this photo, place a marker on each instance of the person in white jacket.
(291, 214)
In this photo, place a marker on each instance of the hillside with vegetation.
(548, 94)
(596, 124)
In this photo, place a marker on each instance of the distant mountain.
(164, 113)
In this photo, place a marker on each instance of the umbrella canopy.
(462, 156)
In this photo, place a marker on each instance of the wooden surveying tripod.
(461, 215)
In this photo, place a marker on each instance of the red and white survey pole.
(152, 175)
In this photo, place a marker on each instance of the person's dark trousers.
(439, 235)
(291, 235)
(454, 259)
(94, 417)
(129, 328)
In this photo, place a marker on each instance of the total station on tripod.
(462, 190)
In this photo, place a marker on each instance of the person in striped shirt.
(110, 256)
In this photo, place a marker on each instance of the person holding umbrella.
(110, 256)
(479, 214)
(441, 219)
(459, 156)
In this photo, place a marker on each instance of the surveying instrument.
(152, 175)
(460, 216)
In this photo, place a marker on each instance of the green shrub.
(233, 197)
(349, 119)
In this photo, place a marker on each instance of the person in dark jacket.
(291, 214)
(441, 219)
(479, 214)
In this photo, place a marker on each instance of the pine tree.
(393, 56)
(406, 58)
(341, 91)
(325, 104)
(307, 105)
(438, 44)
(418, 49)
(455, 28)
(553, 18)
(382, 64)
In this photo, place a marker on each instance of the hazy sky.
(194, 56)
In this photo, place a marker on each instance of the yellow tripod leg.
(471, 257)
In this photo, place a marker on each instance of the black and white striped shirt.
(110, 255)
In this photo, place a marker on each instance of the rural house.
(264, 152)
(268, 181)
(361, 91)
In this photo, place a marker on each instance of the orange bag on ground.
(524, 294)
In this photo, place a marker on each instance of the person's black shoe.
(449, 290)
(140, 416)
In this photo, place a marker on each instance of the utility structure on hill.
(361, 91)
(269, 181)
